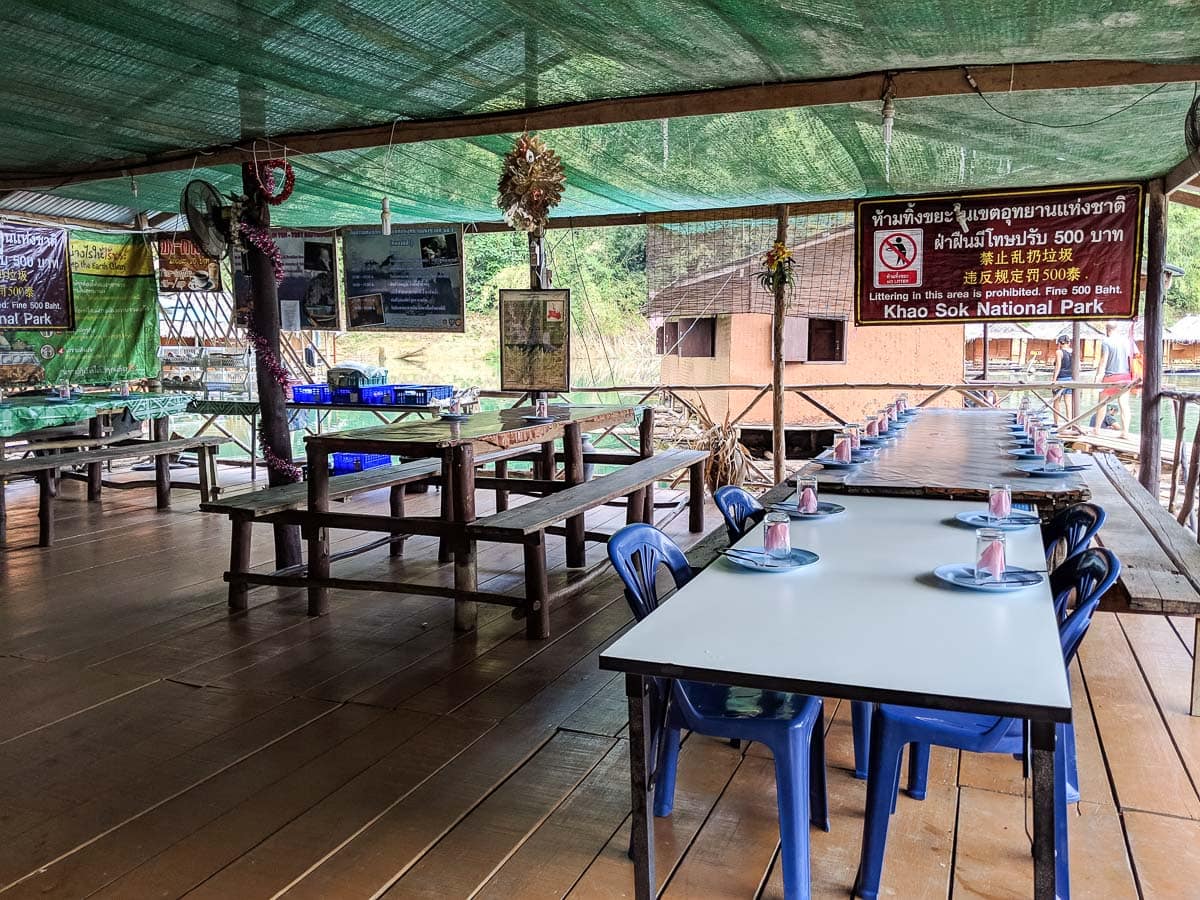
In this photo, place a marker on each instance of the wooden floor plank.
(468, 856)
(1164, 854)
(992, 857)
(1145, 766)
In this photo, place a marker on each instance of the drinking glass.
(842, 445)
(1055, 455)
(989, 556)
(871, 427)
(806, 494)
(883, 420)
(999, 503)
(541, 408)
(855, 436)
(454, 407)
(777, 535)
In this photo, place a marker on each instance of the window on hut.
(813, 340)
(687, 337)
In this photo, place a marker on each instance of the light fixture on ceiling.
(889, 118)
(385, 216)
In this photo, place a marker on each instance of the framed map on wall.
(535, 340)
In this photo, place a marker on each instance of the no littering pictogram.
(899, 258)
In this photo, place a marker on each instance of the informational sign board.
(116, 319)
(35, 283)
(182, 267)
(535, 340)
(409, 280)
(308, 294)
(1050, 253)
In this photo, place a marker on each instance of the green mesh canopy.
(114, 79)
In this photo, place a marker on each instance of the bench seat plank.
(104, 454)
(516, 524)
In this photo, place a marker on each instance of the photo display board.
(308, 294)
(1050, 253)
(182, 267)
(409, 280)
(35, 281)
(535, 340)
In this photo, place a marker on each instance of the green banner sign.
(116, 320)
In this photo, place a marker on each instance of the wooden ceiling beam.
(905, 84)
(1183, 174)
(1187, 198)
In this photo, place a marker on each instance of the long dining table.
(867, 621)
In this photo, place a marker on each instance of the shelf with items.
(207, 370)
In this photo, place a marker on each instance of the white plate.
(963, 576)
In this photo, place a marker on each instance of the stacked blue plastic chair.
(791, 725)
(741, 513)
(1073, 529)
(1088, 575)
(740, 510)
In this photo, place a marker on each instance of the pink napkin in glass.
(992, 559)
(1054, 454)
(883, 423)
(841, 450)
(808, 501)
(775, 536)
(1039, 444)
(1000, 505)
(872, 428)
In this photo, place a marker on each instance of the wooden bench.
(44, 468)
(275, 505)
(528, 524)
(1160, 559)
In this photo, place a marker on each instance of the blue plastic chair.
(1088, 575)
(741, 513)
(792, 725)
(1073, 528)
(739, 509)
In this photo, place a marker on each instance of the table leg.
(45, 507)
(1195, 710)
(160, 430)
(537, 588)
(645, 451)
(95, 470)
(253, 447)
(696, 498)
(318, 540)
(465, 576)
(501, 493)
(396, 511)
(446, 545)
(548, 464)
(573, 474)
(1044, 876)
(641, 846)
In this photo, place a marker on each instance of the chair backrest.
(1075, 527)
(636, 552)
(1090, 574)
(739, 509)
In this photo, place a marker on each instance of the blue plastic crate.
(346, 463)
(377, 394)
(311, 393)
(423, 395)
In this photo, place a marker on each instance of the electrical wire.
(982, 96)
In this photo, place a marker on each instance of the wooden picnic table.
(952, 454)
(457, 445)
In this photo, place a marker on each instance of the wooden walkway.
(152, 747)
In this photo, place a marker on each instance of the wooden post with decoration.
(1150, 470)
(273, 422)
(778, 438)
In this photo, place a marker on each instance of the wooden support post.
(462, 473)
(573, 474)
(537, 588)
(160, 430)
(985, 351)
(45, 507)
(204, 454)
(645, 451)
(547, 464)
(396, 510)
(446, 545)
(272, 404)
(1177, 457)
(501, 493)
(1195, 710)
(1150, 470)
(96, 469)
(696, 498)
(1075, 363)
(239, 560)
(318, 541)
(778, 438)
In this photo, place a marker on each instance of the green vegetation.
(605, 270)
(1183, 249)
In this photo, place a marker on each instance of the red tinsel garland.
(263, 171)
(277, 463)
(261, 239)
(280, 374)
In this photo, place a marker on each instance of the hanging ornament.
(264, 173)
(777, 267)
(531, 183)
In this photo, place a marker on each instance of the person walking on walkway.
(1116, 368)
(1063, 361)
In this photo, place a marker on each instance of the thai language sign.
(1053, 253)
(182, 267)
(115, 336)
(35, 284)
(409, 280)
(308, 295)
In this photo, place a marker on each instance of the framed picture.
(535, 340)
(409, 280)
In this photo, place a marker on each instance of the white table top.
(868, 621)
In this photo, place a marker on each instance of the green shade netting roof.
(948, 143)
